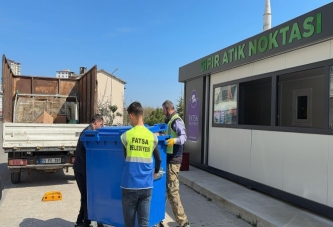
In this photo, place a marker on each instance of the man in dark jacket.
(80, 172)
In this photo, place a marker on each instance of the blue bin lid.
(114, 129)
(106, 133)
(158, 128)
(121, 129)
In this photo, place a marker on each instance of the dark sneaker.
(82, 225)
(187, 224)
(160, 225)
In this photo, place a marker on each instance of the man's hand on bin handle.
(171, 142)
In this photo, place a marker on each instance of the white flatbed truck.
(44, 146)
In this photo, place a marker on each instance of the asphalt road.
(33, 212)
(27, 196)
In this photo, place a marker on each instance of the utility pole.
(111, 85)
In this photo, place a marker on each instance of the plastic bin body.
(105, 161)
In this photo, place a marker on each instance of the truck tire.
(16, 177)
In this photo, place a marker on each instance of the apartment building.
(66, 73)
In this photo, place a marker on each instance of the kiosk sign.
(193, 109)
(304, 30)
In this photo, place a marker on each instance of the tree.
(155, 117)
(125, 118)
(147, 110)
(109, 112)
(180, 107)
(113, 113)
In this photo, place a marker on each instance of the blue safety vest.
(138, 170)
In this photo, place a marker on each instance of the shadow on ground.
(28, 222)
(4, 173)
(35, 178)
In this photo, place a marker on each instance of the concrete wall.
(298, 163)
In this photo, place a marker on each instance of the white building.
(15, 67)
(1, 95)
(260, 112)
(66, 73)
(111, 91)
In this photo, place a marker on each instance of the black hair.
(97, 117)
(135, 108)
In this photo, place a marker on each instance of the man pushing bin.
(140, 144)
(121, 188)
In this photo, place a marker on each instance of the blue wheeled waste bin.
(105, 161)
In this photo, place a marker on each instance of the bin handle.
(90, 134)
(106, 134)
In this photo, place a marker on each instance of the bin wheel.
(15, 177)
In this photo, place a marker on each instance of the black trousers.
(81, 181)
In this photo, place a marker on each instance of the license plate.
(50, 160)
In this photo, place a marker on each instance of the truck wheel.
(16, 177)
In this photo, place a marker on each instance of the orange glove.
(171, 142)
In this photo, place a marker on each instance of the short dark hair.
(135, 108)
(97, 117)
(168, 104)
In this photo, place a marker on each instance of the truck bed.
(22, 136)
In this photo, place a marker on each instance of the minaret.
(267, 15)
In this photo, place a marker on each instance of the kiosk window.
(255, 102)
(225, 104)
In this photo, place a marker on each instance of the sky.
(148, 40)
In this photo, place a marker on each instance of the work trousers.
(83, 213)
(173, 193)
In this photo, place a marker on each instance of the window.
(302, 107)
(302, 103)
(301, 98)
(225, 104)
(255, 102)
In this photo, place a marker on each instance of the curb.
(247, 215)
